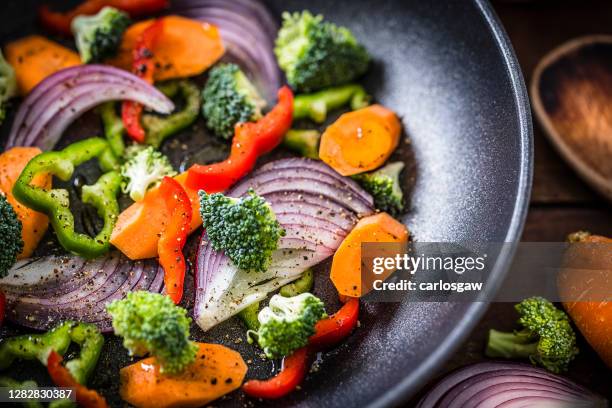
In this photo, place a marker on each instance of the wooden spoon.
(571, 92)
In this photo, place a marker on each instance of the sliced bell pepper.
(113, 128)
(316, 105)
(301, 285)
(60, 22)
(251, 140)
(174, 236)
(56, 203)
(62, 377)
(158, 128)
(58, 339)
(291, 375)
(35, 346)
(143, 67)
(334, 329)
(90, 342)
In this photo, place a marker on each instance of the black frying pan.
(447, 68)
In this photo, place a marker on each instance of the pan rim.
(416, 379)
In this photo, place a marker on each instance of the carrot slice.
(35, 57)
(34, 224)
(346, 264)
(186, 48)
(589, 273)
(361, 140)
(217, 371)
(139, 226)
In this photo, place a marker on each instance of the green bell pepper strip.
(301, 285)
(249, 316)
(304, 142)
(62, 403)
(35, 346)
(38, 346)
(316, 105)
(113, 128)
(26, 385)
(56, 203)
(90, 340)
(30, 384)
(158, 128)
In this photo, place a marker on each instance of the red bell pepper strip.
(2, 307)
(329, 332)
(173, 237)
(291, 375)
(62, 377)
(60, 22)
(143, 67)
(334, 329)
(250, 141)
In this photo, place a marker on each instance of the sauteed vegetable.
(139, 206)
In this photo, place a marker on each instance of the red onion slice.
(40, 292)
(316, 220)
(316, 166)
(248, 31)
(510, 385)
(62, 97)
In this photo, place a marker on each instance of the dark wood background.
(561, 202)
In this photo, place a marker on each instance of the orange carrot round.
(361, 140)
(186, 48)
(33, 224)
(217, 371)
(346, 264)
(35, 57)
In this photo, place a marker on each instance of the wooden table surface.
(560, 202)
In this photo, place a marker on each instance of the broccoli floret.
(305, 142)
(287, 323)
(229, 98)
(547, 338)
(384, 185)
(151, 323)
(8, 85)
(98, 36)
(144, 168)
(245, 228)
(10, 236)
(316, 54)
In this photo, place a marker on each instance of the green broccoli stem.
(510, 345)
(113, 128)
(316, 105)
(249, 316)
(304, 142)
(302, 285)
(158, 128)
